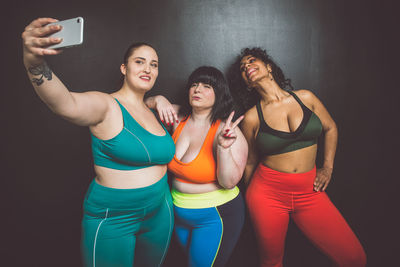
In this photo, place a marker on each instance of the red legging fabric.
(272, 197)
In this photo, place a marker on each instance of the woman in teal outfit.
(128, 216)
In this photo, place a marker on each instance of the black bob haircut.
(223, 104)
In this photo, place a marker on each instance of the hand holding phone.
(71, 33)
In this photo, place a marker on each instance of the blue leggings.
(127, 227)
(209, 235)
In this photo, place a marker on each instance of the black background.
(344, 51)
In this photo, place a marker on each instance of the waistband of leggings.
(282, 181)
(203, 200)
(127, 198)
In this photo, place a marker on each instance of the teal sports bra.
(272, 142)
(133, 148)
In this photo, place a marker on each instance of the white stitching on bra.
(148, 155)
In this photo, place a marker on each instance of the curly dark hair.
(223, 104)
(245, 99)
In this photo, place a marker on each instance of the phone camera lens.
(78, 20)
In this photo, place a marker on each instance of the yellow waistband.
(203, 200)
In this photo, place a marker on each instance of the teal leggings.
(127, 227)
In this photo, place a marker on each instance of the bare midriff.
(130, 179)
(298, 161)
(191, 188)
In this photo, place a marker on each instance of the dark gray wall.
(343, 51)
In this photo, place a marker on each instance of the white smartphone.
(71, 33)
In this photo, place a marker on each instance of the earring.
(270, 74)
(249, 89)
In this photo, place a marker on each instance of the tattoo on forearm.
(42, 70)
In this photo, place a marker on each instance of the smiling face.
(141, 69)
(253, 69)
(201, 95)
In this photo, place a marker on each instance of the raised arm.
(80, 108)
(330, 139)
(249, 127)
(167, 112)
(231, 153)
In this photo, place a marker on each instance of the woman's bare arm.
(231, 153)
(84, 109)
(330, 138)
(250, 127)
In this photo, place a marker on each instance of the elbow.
(332, 127)
(331, 130)
(229, 183)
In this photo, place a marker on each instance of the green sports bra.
(133, 148)
(272, 142)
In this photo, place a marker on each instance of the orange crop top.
(201, 170)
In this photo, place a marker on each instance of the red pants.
(273, 196)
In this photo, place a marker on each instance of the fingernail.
(177, 121)
(227, 130)
(162, 120)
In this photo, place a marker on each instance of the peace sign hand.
(227, 135)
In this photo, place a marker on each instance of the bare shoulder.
(251, 117)
(96, 95)
(93, 101)
(305, 94)
(307, 97)
(101, 96)
(112, 120)
(110, 101)
(251, 122)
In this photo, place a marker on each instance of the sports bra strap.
(297, 98)
(202, 169)
(213, 131)
(178, 129)
(259, 112)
